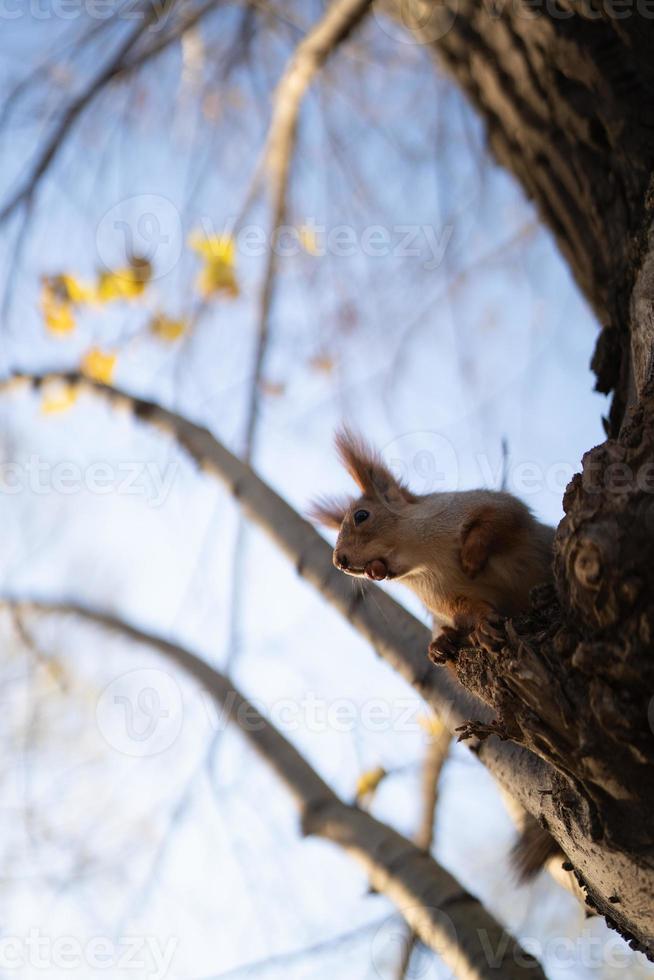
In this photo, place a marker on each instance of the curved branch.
(435, 758)
(447, 918)
(308, 58)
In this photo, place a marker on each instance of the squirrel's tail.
(532, 850)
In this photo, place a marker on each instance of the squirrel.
(471, 556)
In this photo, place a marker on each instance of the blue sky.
(437, 363)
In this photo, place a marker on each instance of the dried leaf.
(323, 363)
(368, 781)
(168, 329)
(99, 365)
(274, 389)
(58, 397)
(125, 284)
(57, 310)
(431, 724)
(308, 240)
(218, 273)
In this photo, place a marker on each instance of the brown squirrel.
(471, 556)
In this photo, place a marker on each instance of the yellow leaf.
(323, 363)
(216, 277)
(76, 291)
(368, 782)
(59, 318)
(218, 247)
(58, 397)
(308, 240)
(126, 283)
(67, 289)
(57, 311)
(165, 328)
(431, 724)
(274, 389)
(99, 365)
(219, 255)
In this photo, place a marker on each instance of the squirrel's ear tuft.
(329, 511)
(365, 466)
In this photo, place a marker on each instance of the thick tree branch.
(566, 91)
(447, 918)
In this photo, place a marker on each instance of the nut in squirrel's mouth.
(377, 570)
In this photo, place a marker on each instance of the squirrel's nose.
(340, 560)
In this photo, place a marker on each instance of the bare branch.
(307, 60)
(447, 918)
(178, 29)
(121, 63)
(435, 756)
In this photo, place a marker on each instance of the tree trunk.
(567, 93)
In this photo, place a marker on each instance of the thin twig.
(435, 756)
(119, 64)
(307, 60)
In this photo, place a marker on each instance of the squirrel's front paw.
(490, 633)
(446, 645)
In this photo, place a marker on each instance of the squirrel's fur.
(470, 556)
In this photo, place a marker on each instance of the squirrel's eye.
(360, 516)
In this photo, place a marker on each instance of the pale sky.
(437, 357)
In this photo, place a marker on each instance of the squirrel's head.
(370, 542)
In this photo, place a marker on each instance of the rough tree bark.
(566, 90)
